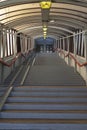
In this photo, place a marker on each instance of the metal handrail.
(13, 60)
(5, 96)
(73, 57)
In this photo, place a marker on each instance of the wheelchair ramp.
(50, 70)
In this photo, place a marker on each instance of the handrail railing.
(13, 60)
(76, 61)
(4, 98)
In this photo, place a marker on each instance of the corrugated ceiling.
(25, 16)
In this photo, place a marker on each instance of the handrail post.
(85, 47)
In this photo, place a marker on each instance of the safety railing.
(5, 96)
(13, 60)
(73, 57)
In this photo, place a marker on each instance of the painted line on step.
(25, 75)
(33, 62)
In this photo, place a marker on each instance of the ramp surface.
(50, 70)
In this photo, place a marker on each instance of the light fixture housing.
(45, 4)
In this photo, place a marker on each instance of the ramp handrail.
(13, 60)
(5, 96)
(73, 57)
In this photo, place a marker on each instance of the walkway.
(50, 70)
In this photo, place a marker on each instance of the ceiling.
(65, 16)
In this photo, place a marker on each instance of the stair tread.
(27, 115)
(50, 89)
(49, 103)
(51, 86)
(44, 99)
(41, 96)
(48, 111)
(47, 94)
(46, 126)
(44, 107)
(44, 121)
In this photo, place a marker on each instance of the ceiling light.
(44, 29)
(45, 4)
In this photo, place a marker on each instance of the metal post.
(85, 47)
(4, 50)
(77, 43)
(68, 44)
(82, 45)
(58, 44)
(63, 44)
(79, 35)
(1, 56)
(74, 40)
(15, 42)
(4, 43)
(60, 47)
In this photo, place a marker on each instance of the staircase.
(45, 108)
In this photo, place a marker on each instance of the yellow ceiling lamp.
(46, 4)
(45, 7)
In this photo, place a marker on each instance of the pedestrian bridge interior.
(43, 64)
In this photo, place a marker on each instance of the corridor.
(43, 64)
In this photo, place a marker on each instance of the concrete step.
(47, 111)
(23, 106)
(46, 100)
(27, 115)
(51, 88)
(45, 108)
(47, 94)
(39, 126)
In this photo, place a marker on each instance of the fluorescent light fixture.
(45, 29)
(44, 32)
